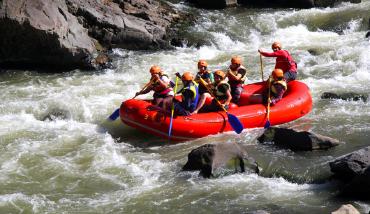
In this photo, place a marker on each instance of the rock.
(102, 61)
(354, 171)
(278, 3)
(297, 141)
(346, 209)
(367, 34)
(68, 33)
(210, 157)
(331, 3)
(42, 33)
(350, 96)
(351, 165)
(214, 4)
(55, 114)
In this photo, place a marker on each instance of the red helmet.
(277, 73)
(202, 63)
(276, 45)
(220, 73)
(155, 69)
(187, 76)
(236, 60)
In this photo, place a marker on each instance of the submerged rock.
(345, 96)
(55, 114)
(210, 157)
(297, 141)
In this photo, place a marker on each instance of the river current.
(59, 154)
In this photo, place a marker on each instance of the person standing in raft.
(220, 90)
(190, 95)
(236, 75)
(284, 61)
(205, 74)
(278, 87)
(163, 92)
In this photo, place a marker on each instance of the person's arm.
(228, 99)
(278, 53)
(234, 77)
(163, 83)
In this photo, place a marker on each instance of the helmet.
(220, 73)
(187, 76)
(276, 45)
(155, 69)
(277, 73)
(202, 63)
(236, 60)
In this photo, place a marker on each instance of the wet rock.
(210, 157)
(214, 4)
(331, 3)
(346, 209)
(354, 170)
(345, 96)
(102, 61)
(278, 3)
(297, 141)
(55, 114)
(367, 34)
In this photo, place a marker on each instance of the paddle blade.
(114, 115)
(235, 123)
(267, 124)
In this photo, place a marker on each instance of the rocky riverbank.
(70, 33)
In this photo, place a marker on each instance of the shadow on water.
(123, 133)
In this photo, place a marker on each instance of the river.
(58, 154)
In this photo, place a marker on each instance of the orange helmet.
(220, 73)
(202, 63)
(277, 73)
(236, 60)
(276, 45)
(187, 76)
(155, 69)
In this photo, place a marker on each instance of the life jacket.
(240, 70)
(194, 88)
(204, 76)
(221, 95)
(160, 90)
(279, 82)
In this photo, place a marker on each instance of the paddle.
(115, 114)
(261, 66)
(172, 109)
(233, 120)
(267, 124)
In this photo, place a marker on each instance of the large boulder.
(297, 141)
(210, 157)
(36, 32)
(68, 33)
(354, 170)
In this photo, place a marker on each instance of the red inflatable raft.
(296, 103)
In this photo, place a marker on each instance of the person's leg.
(256, 99)
(290, 75)
(236, 95)
(201, 102)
